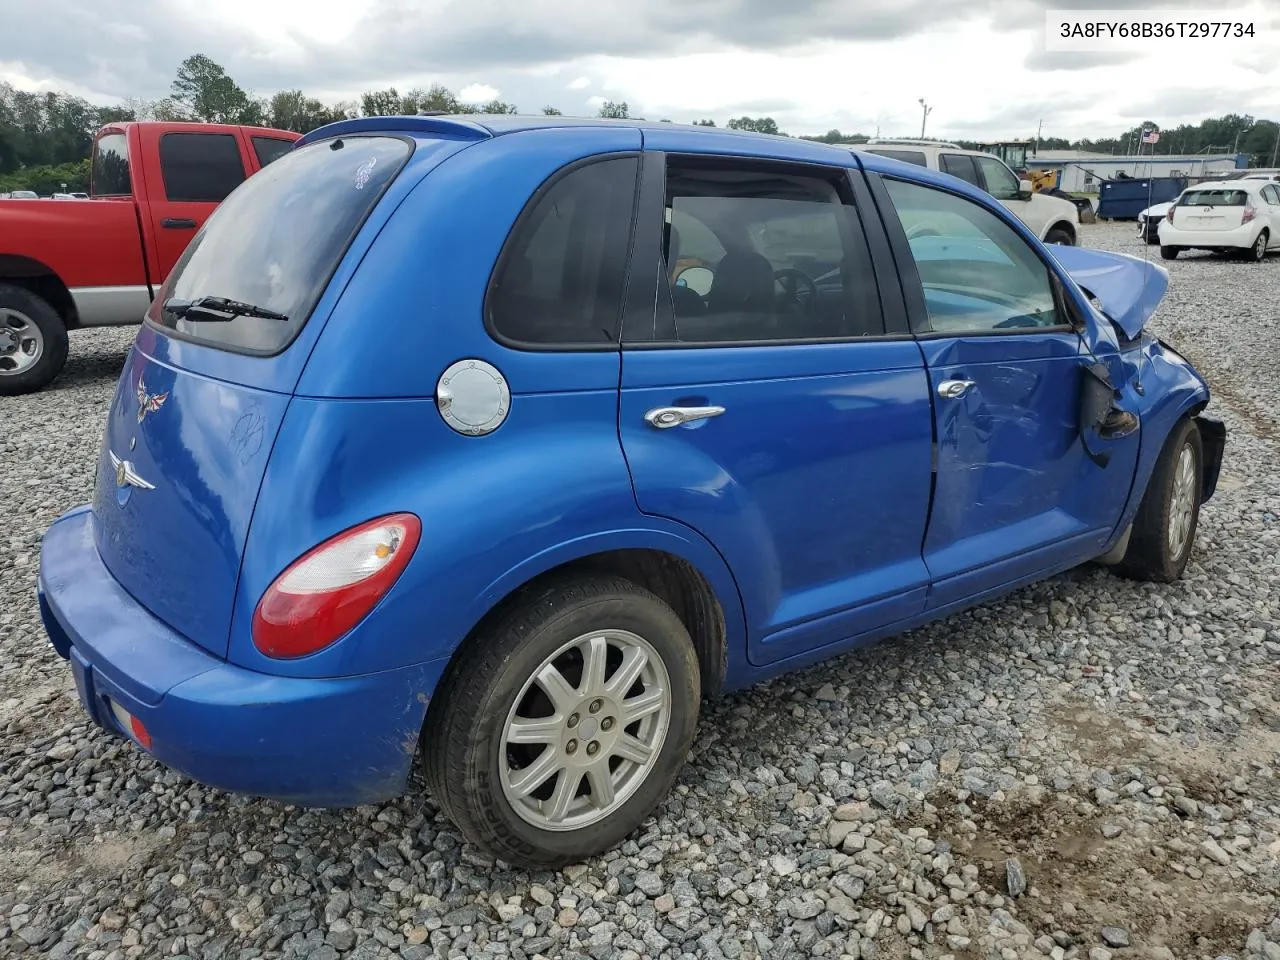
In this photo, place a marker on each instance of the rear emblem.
(127, 474)
(149, 402)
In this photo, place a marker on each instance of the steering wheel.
(788, 276)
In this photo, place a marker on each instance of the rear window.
(907, 156)
(1214, 198)
(275, 242)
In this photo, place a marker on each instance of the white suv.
(1053, 219)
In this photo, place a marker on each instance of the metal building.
(1080, 172)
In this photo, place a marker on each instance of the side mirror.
(1025, 189)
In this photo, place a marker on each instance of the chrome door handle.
(954, 389)
(666, 417)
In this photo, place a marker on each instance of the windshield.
(1214, 198)
(277, 239)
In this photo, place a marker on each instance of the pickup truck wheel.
(1060, 235)
(33, 341)
(1170, 253)
(561, 726)
(1165, 528)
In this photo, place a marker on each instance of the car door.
(197, 172)
(773, 400)
(1017, 494)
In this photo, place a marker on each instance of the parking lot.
(1087, 768)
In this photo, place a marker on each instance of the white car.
(1053, 219)
(1228, 216)
(1149, 221)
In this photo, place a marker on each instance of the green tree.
(704, 123)
(381, 103)
(615, 111)
(761, 125)
(204, 91)
(292, 110)
(496, 106)
(552, 112)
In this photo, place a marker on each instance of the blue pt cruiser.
(502, 442)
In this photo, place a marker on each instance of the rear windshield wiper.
(217, 309)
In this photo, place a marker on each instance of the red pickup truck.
(97, 262)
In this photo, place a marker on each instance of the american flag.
(1150, 136)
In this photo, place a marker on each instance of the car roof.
(714, 139)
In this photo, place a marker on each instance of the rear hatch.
(206, 386)
(1216, 208)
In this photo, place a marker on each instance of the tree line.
(45, 138)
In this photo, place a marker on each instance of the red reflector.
(140, 732)
(330, 589)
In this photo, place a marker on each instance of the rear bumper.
(333, 742)
(1241, 237)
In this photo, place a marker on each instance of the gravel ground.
(1087, 769)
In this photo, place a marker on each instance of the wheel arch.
(43, 281)
(686, 573)
(1066, 227)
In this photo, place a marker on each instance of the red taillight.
(140, 732)
(1249, 214)
(1169, 216)
(328, 590)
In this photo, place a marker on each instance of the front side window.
(979, 276)
(961, 165)
(110, 171)
(1001, 183)
(200, 167)
(561, 278)
(1272, 195)
(760, 255)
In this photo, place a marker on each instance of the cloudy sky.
(982, 65)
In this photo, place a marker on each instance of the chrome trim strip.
(111, 306)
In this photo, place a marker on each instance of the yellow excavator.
(1043, 180)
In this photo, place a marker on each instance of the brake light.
(1169, 216)
(1249, 214)
(328, 590)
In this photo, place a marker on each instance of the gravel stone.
(1015, 879)
(1114, 936)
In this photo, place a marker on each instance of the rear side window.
(907, 156)
(111, 167)
(275, 242)
(961, 165)
(270, 148)
(560, 278)
(200, 167)
(1214, 198)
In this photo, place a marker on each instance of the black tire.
(1060, 235)
(1170, 253)
(1258, 252)
(1149, 556)
(22, 310)
(462, 750)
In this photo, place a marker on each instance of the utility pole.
(1039, 130)
(1275, 151)
(925, 117)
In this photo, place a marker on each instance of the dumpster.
(1125, 199)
